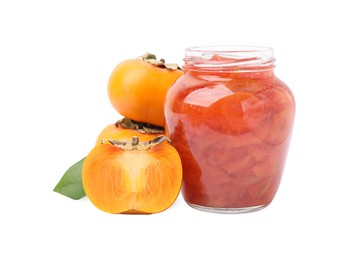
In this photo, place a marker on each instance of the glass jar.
(231, 119)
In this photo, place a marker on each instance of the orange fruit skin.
(137, 90)
(113, 132)
(132, 181)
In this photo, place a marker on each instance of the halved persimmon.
(133, 177)
(137, 88)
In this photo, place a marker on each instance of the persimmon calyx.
(151, 58)
(135, 144)
(139, 126)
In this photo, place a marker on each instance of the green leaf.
(71, 184)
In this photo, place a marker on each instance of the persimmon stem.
(135, 144)
(139, 126)
(135, 140)
(151, 58)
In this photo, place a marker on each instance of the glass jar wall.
(231, 120)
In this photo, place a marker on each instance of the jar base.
(228, 210)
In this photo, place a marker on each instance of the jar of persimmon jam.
(231, 119)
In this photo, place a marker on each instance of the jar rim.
(230, 49)
(242, 56)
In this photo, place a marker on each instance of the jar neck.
(233, 59)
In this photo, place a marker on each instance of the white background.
(55, 61)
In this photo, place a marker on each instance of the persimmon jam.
(231, 120)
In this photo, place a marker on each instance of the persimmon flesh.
(132, 179)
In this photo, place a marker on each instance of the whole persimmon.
(137, 88)
(133, 177)
(125, 128)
